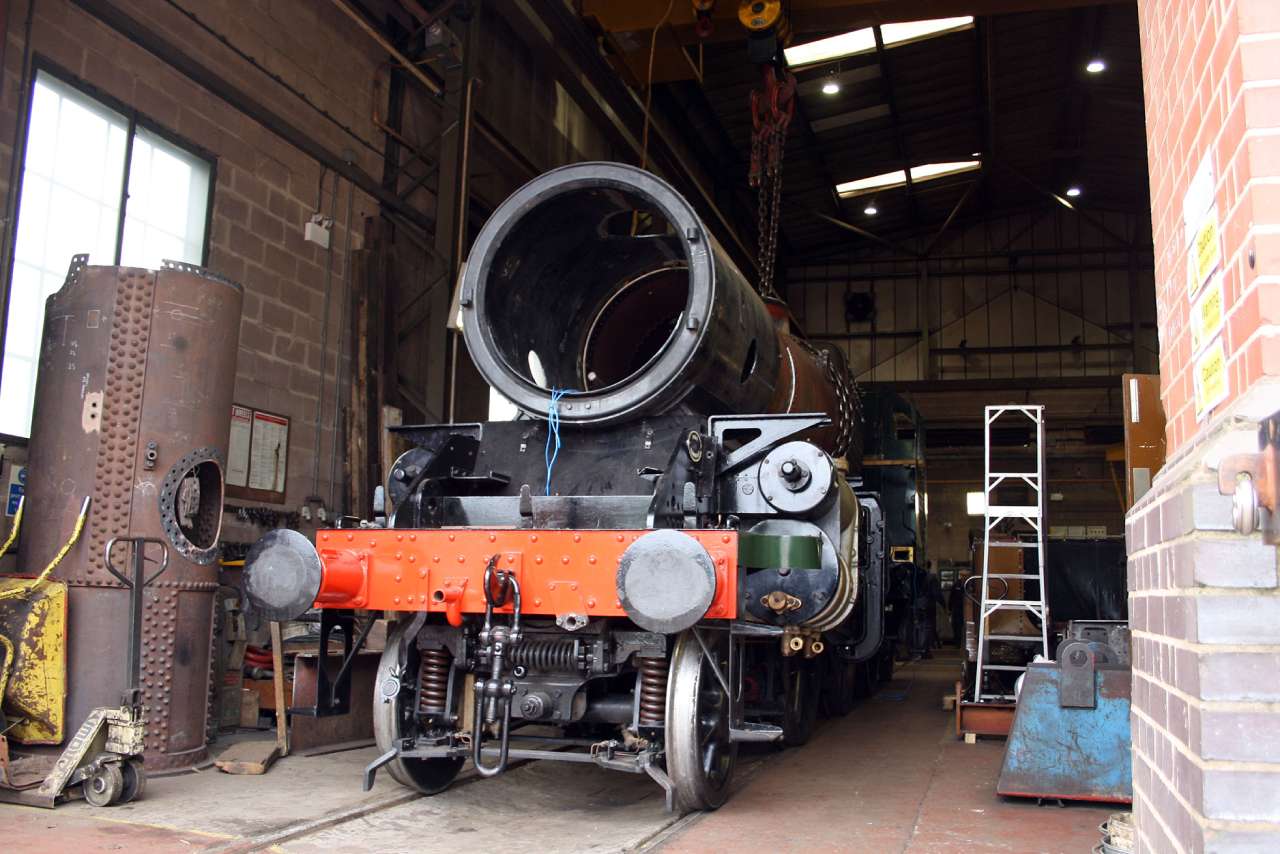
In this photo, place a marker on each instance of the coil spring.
(547, 654)
(653, 690)
(433, 681)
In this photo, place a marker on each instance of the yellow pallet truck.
(102, 762)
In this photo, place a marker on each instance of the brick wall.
(1211, 71)
(1204, 602)
(1205, 614)
(265, 188)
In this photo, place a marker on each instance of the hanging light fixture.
(831, 86)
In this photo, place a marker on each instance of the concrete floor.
(889, 777)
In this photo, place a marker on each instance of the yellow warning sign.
(1206, 315)
(1211, 381)
(1206, 250)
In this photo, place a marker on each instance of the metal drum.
(132, 407)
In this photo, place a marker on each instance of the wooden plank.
(389, 446)
(248, 757)
(277, 678)
(356, 462)
(266, 692)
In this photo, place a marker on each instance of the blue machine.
(1070, 735)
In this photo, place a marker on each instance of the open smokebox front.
(587, 291)
(599, 280)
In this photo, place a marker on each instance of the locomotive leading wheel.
(393, 721)
(700, 756)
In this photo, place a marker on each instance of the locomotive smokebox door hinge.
(1253, 482)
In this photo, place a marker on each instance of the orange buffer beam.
(442, 570)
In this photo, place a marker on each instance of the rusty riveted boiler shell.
(132, 357)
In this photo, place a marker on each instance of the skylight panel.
(855, 42)
(875, 182)
(898, 178)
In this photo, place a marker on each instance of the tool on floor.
(103, 759)
(1070, 737)
(257, 757)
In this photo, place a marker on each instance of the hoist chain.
(772, 107)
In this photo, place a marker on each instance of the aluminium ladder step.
(1016, 638)
(1030, 576)
(1014, 511)
(1004, 667)
(1019, 544)
(1017, 604)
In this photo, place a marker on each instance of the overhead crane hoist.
(772, 107)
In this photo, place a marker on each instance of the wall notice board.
(257, 454)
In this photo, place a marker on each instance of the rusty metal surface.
(1144, 441)
(812, 379)
(984, 718)
(1071, 752)
(132, 357)
(33, 687)
(306, 732)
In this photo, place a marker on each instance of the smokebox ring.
(658, 386)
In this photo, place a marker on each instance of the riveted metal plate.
(158, 350)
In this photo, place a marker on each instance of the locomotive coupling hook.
(493, 695)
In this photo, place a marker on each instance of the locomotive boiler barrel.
(599, 280)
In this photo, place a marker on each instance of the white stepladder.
(1026, 523)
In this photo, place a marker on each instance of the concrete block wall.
(265, 188)
(1204, 600)
(1205, 612)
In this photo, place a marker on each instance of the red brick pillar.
(1204, 603)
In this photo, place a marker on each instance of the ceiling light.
(975, 154)
(1073, 191)
(1096, 66)
(871, 210)
(898, 178)
(831, 87)
(864, 40)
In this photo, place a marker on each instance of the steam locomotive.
(666, 555)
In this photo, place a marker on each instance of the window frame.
(136, 119)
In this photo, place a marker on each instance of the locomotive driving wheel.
(393, 720)
(700, 754)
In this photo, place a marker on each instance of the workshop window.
(95, 181)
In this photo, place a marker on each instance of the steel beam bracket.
(1077, 688)
(1253, 482)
